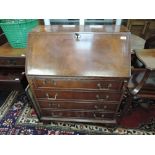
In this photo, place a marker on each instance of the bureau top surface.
(7, 51)
(78, 53)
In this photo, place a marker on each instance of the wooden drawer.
(12, 79)
(10, 74)
(111, 106)
(78, 95)
(77, 114)
(78, 84)
(12, 62)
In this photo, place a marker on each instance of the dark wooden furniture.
(150, 43)
(142, 83)
(12, 68)
(78, 73)
(143, 23)
(147, 57)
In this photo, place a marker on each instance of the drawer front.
(10, 76)
(10, 82)
(112, 106)
(12, 79)
(12, 62)
(78, 84)
(78, 95)
(77, 114)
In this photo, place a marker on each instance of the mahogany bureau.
(78, 73)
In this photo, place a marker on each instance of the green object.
(16, 30)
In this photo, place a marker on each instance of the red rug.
(138, 117)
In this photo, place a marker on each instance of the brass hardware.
(53, 82)
(100, 86)
(51, 98)
(77, 35)
(45, 82)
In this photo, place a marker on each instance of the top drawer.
(78, 84)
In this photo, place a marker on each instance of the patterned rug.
(18, 118)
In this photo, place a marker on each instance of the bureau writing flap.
(78, 53)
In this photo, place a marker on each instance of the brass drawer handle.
(46, 82)
(102, 99)
(101, 87)
(51, 98)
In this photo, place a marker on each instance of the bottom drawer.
(77, 114)
(77, 105)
